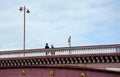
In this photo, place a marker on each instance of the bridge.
(82, 61)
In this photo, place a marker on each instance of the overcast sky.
(88, 22)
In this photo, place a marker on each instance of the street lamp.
(25, 11)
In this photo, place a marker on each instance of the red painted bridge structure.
(80, 61)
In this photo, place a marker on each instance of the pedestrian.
(53, 52)
(47, 47)
(52, 46)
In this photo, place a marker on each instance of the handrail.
(62, 51)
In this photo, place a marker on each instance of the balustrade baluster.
(34, 54)
(21, 54)
(56, 52)
(95, 51)
(41, 53)
(108, 49)
(59, 53)
(37, 53)
(4, 55)
(89, 51)
(78, 51)
(65, 52)
(119, 49)
(8, 55)
(112, 49)
(74, 52)
(101, 50)
(98, 50)
(86, 50)
(81, 51)
(11, 55)
(105, 50)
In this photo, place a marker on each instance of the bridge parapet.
(115, 48)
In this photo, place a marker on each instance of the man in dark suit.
(47, 47)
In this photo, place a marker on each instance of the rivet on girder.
(82, 74)
(23, 72)
(51, 73)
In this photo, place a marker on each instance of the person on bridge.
(52, 53)
(47, 47)
(52, 46)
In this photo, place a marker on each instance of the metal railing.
(115, 48)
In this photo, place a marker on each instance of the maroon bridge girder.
(56, 72)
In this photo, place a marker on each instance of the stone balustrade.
(62, 51)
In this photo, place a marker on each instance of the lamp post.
(24, 37)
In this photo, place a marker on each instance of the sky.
(88, 22)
